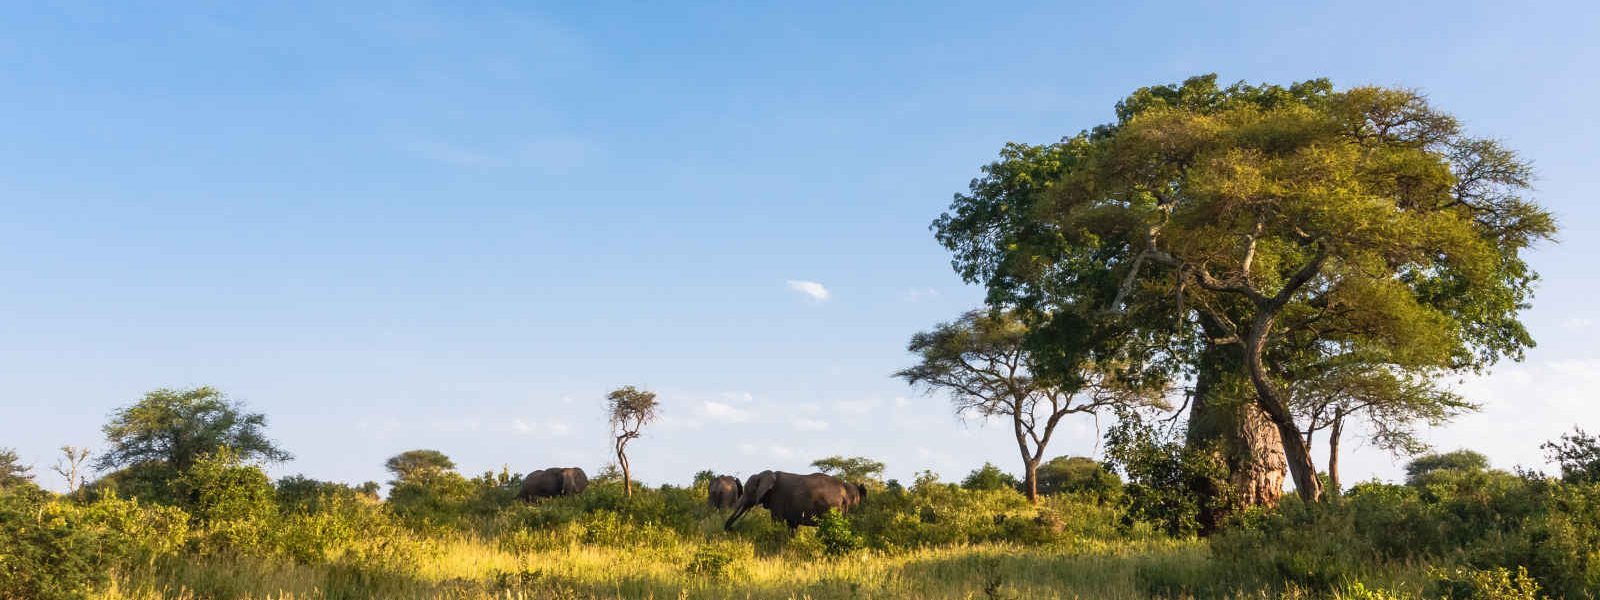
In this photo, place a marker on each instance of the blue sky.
(392, 226)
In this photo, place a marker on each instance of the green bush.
(234, 506)
(1485, 584)
(989, 478)
(719, 561)
(833, 530)
(44, 554)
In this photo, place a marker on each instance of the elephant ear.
(738, 487)
(760, 486)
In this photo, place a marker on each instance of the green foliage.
(854, 469)
(42, 554)
(1079, 475)
(990, 478)
(12, 471)
(176, 427)
(719, 561)
(1418, 471)
(148, 482)
(1252, 213)
(1164, 475)
(837, 538)
(1486, 584)
(1578, 454)
(414, 464)
(234, 505)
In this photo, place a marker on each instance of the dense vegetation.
(220, 528)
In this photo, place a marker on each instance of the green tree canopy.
(413, 465)
(1578, 454)
(12, 471)
(1417, 470)
(989, 477)
(1298, 224)
(176, 427)
(983, 362)
(1079, 475)
(629, 410)
(855, 469)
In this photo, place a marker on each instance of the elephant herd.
(794, 499)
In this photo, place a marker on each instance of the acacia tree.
(1392, 404)
(854, 469)
(176, 427)
(12, 471)
(630, 410)
(1282, 225)
(981, 361)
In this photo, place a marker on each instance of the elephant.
(555, 481)
(796, 499)
(723, 492)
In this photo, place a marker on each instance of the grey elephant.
(555, 481)
(796, 499)
(723, 492)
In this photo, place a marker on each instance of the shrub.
(1485, 584)
(989, 478)
(44, 554)
(234, 506)
(721, 560)
(1163, 477)
(833, 530)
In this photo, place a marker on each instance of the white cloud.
(856, 407)
(920, 294)
(726, 413)
(812, 289)
(528, 427)
(1578, 323)
(810, 424)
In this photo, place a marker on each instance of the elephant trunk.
(737, 512)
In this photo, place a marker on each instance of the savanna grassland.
(1457, 530)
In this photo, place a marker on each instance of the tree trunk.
(1224, 418)
(1030, 479)
(627, 476)
(1333, 454)
(1271, 401)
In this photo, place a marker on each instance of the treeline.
(1456, 528)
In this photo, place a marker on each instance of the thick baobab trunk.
(1223, 417)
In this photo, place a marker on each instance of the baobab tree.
(630, 410)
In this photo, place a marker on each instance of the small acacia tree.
(981, 360)
(630, 409)
(176, 427)
(854, 469)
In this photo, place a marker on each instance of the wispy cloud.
(810, 424)
(812, 289)
(556, 155)
(724, 412)
(920, 294)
